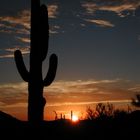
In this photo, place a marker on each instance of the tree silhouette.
(38, 52)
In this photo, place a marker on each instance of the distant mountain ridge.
(7, 119)
(4, 116)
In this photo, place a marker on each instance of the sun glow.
(75, 118)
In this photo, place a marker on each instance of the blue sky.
(95, 40)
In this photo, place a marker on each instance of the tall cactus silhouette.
(38, 52)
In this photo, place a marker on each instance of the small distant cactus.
(71, 114)
(38, 52)
(56, 116)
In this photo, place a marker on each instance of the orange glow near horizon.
(75, 118)
(64, 96)
(79, 110)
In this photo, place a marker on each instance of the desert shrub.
(136, 102)
(90, 113)
(104, 109)
(101, 110)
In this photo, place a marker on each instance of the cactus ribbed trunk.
(36, 101)
(35, 87)
(38, 52)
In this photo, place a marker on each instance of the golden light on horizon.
(75, 118)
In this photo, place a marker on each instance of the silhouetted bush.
(136, 102)
(102, 110)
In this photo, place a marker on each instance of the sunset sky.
(98, 46)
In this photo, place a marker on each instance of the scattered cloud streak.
(16, 24)
(135, 88)
(24, 39)
(117, 6)
(52, 11)
(13, 93)
(9, 53)
(99, 22)
(70, 93)
(19, 27)
(121, 8)
(54, 29)
(91, 90)
(20, 24)
(87, 103)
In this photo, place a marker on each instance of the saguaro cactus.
(71, 114)
(38, 52)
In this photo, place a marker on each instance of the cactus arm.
(21, 66)
(52, 70)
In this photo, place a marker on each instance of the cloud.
(52, 10)
(9, 52)
(16, 105)
(23, 18)
(71, 91)
(59, 94)
(16, 24)
(24, 39)
(90, 7)
(124, 5)
(118, 6)
(88, 91)
(54, 29)
(99, 22)
(11, 94)
(135, 88)
(79, 85)
(87, 103)
(20, 24)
